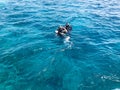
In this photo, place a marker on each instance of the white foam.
(67, 39)
(67, 42)
(56, 31)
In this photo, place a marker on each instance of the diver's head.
(67, 24)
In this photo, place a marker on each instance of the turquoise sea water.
(32, 57)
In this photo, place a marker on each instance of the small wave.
(4, 1)
(116, 89)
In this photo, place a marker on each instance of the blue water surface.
(33, 57)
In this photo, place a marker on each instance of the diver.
(68, 27)
(61, 30)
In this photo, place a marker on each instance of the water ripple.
(33, 57)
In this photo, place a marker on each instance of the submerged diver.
(64, 30)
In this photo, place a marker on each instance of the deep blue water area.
(33, 57)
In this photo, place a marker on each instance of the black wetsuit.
(68, 27)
